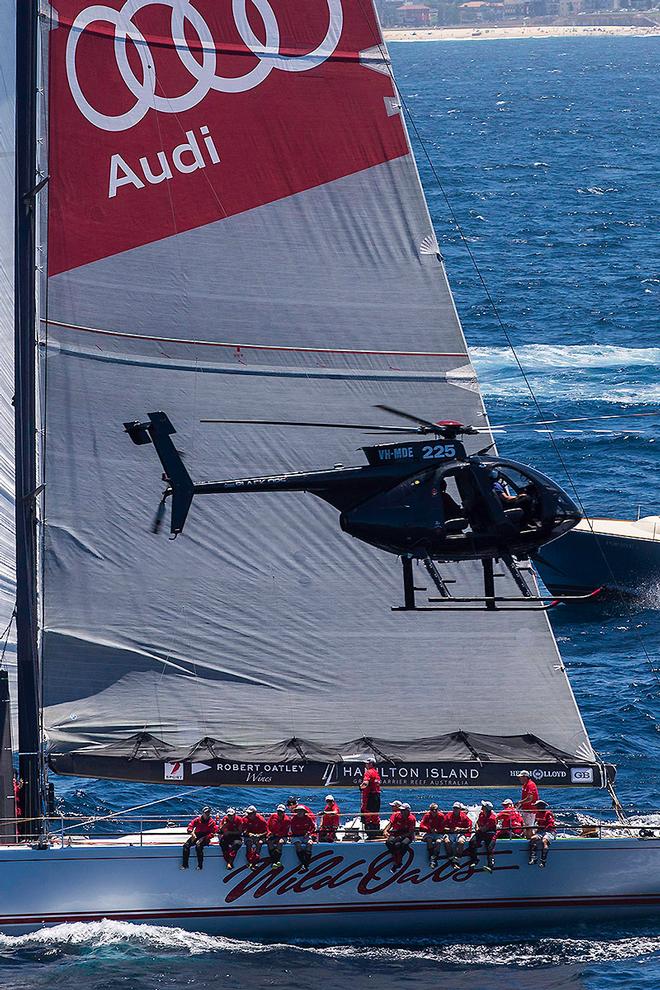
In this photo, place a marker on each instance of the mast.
(25, 406)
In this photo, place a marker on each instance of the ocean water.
(548, 151)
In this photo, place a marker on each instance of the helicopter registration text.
(428, 451)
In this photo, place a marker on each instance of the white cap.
(524, 773)
(370, 759)
(231, 811)
(486, 804)
(458, 805)
(329, 797)
(281, 807)
(300, 807)
(507, 801)
(251, 809)
(405, 807)
(395, 804)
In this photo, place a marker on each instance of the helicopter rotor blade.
(413, 419)
(560, 422)
(329, 426)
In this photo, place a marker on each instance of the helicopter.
(401, 501)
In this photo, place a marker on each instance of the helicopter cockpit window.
(516, 492)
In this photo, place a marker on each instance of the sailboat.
(219, 213)
(619, 555)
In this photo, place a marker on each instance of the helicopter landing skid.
(526, 601)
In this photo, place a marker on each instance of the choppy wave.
(546, 357)
(591, 373)
(126, 940)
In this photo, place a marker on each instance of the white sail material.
(257, 247)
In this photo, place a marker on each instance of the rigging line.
(5, 636)
(138, 807)
(493, 305)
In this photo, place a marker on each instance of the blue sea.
(548, 153)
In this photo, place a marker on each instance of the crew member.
(370, 799)
(292, 803)
(231, 836)
(527, 804)
(509, 821)
(201, 830)
(279, 825)
(457, 829)
(255, 828)
(432, 826)
(484, 835)
(399, 834)
(329, 820)
(543, 834)
(303, 828)
(18, 796)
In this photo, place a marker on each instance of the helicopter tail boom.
(158, 431)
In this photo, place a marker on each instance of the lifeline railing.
(64, 831)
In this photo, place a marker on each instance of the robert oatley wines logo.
(147, 91)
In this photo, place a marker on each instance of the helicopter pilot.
(506, 499)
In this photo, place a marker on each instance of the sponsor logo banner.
(323, 775)
(167, 115)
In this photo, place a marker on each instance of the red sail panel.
(256, 101)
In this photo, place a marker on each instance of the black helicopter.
(403, 500)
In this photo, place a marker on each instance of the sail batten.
(296, 278)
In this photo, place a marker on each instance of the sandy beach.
(535, 31)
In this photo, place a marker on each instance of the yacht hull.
(349, 891)
(580, 562)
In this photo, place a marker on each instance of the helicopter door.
(403, 518)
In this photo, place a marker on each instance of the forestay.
(237, 229)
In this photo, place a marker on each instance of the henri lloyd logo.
(170, 115)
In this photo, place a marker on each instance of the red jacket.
(231, 826)
(402, 826)
(545, 821)
(460, 822)
(330, 818)
(486, 822)
(279, 826)
(371, 779)
(203, 829)
(292, 813)
(302, 825)
(509, 820)
(432, 821)
(255, 824)
(530, 795)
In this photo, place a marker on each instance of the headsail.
(237, 230)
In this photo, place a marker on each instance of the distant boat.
(619, 555)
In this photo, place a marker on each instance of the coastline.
(477, 33)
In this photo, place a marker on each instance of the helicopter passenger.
(450, 506)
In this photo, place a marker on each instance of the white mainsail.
(237, 229)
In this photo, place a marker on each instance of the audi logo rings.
(144, 91)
